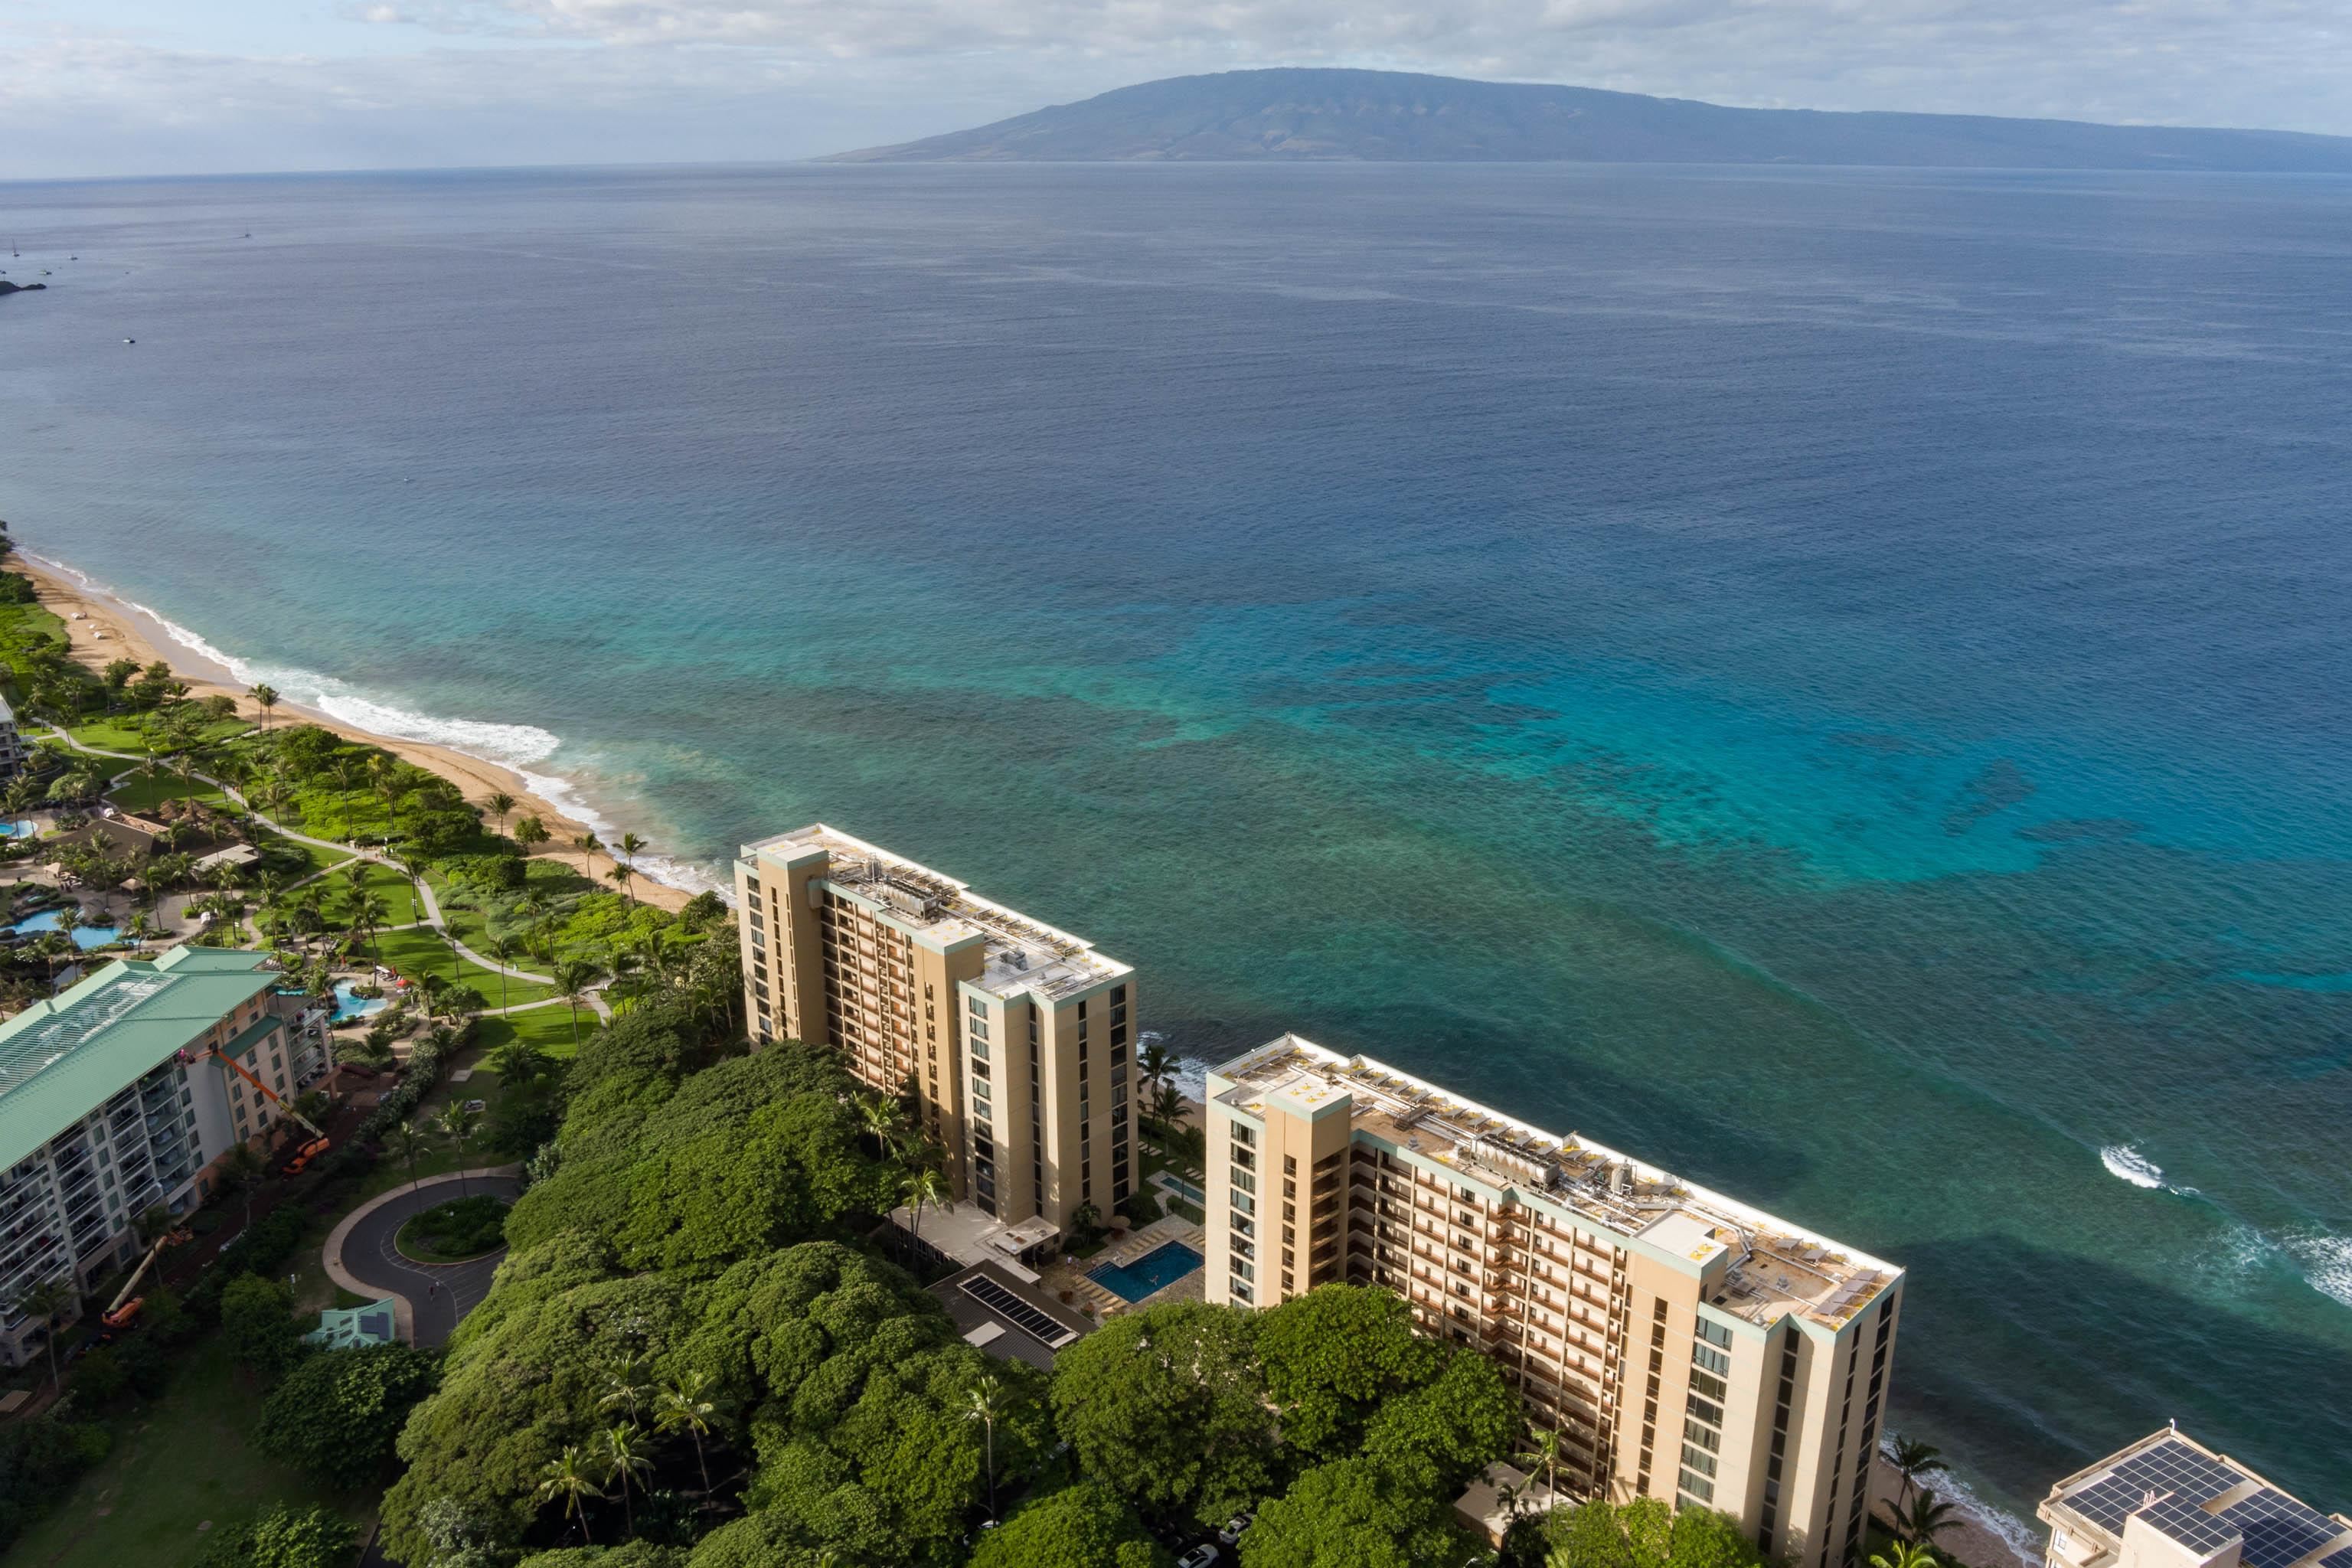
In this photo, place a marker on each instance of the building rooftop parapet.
(1774, 1268)
(1023, 954)
(61, 1058)
(2206, 1504)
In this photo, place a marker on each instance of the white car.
(1231, 1533)
(1200, 1556)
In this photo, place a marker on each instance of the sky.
(160, 87)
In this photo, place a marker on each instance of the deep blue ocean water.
(1837, 681)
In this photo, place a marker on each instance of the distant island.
(8, 287)
(1258, 116)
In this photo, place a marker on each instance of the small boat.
(131, 339)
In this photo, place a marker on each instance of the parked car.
(1231, 1535)
(1200, 1556)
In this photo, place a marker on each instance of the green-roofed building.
(111, 1103)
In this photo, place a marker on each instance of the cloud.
(515, 80)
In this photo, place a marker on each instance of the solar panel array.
(2337, 1559)
(2174, 1466)
(2108, 1503)
(2278, 1529)
(1038, 1325)
(2189, 1524)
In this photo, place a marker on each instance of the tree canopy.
(1083, 1526)
(338, 1414)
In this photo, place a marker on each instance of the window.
(1243, 1181)
(1713, 1334)
(1710, 1414)
(1714, 1360)
(1242, 1134)
(1699, 1459)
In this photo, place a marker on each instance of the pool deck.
(1101, 1300)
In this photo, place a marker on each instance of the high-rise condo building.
(2169, 1501)
(114, 1100)
(1683, 1345)
(1016, 1039)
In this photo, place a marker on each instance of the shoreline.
(1977, 1537)
(113, 628)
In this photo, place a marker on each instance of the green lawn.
(420, 950)
(110, 735)
(399, 896)
(140, 793)
(549, 1029)
(181, 1462)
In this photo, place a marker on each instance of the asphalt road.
(437, 1294)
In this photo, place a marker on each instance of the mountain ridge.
(1320, 114)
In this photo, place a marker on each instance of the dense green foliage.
(338, 1414)
(285, 1537)
(258, 1320)
(690, 1174)
(39, 1458)
(1640, 1534)
(462, 1227)
(1083, 1526)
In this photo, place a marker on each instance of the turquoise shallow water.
(1836, 681)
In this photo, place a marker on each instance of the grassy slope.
(187, 1459)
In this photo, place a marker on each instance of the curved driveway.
(435, 1295)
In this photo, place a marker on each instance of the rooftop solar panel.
(2337, 1559)
(2189, 1524)
(2173, 1466)
(1039, 1326)
(2105, 1503)
(2278, 1529)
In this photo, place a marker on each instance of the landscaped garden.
(456, 1232)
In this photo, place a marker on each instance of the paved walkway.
(433, 915)
(428, 1298)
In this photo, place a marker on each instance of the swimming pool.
(1154, 1271)
(350, 1005)
(26, 828)
(85, 937)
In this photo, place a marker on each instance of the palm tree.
(265, 697)
(368, 914)
(53, 945)
(1913, 1459)
(621, 874)
(572, 979)
(924, 1186)
(518, 1062)
(456, 1123)
(567, 1477)
(588, 844)
(500, 803)
(1155, 1063)
(625, 1385)
(531, 833)
(984, 1403)
(681, 1404)
(1920, 1522)
(1543, 1454)
(502, 948)
(631, 848)
(885, 1121)
(1903, 1554)
(45, 1301)
(242, 1169)
(406, 1140)
(343, 771)
(625, 1460)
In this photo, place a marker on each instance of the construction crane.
(124, 1310)
(319, 1143)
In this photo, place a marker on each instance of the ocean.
(1835, 681)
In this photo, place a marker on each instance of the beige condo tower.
(1016, 1038)
(1683, 1345)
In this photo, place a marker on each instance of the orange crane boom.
(319, 1143)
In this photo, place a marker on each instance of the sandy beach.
(108, 629)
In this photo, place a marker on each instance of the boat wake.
(2126, 1164)
(514, 746)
